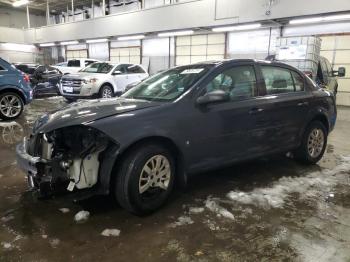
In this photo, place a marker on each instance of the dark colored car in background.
(182, 121)
(15, 91)
(45, 79)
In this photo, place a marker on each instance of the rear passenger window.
(277, 80)
(135, 69)
(74, 63)
(298, 81)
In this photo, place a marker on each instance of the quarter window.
(2, 69)
(239, 82)
(277, 80)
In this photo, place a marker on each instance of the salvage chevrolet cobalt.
(137, 146)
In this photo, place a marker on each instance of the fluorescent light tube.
(70, 43)
(20, 3)
(101, 40)
(236, 28)
(132, 37)
(47, 44)
(306, 20)
(337, 17)
(176, 33)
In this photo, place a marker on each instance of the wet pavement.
(271, 209)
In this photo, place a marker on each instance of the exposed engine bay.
(69, 158)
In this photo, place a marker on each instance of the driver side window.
(239, 82)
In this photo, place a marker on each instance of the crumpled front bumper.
(33, 167)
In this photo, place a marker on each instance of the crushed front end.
(68, 158)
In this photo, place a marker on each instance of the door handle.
(303, 104)
(255, 110)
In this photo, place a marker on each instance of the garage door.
(126, 55)
(83, 53)
(199, 48)
(337, 50)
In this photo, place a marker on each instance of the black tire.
(126, 187)
(106, 88)
(70, 100)
(3, 116)
(302, 153)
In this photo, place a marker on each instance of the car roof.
(238, 61)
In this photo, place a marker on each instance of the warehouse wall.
(18, 18)
(19, 53)
(196, 13)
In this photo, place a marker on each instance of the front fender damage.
(75, 158)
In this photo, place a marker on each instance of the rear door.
(287, 105)
(121, 80)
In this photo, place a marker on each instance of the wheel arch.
(181, 177)
(323, 119)
(106, 84)
(10, 89)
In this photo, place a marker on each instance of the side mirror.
(117, 73)
(213, 97)
(340, 72)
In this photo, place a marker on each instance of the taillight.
(26, 78)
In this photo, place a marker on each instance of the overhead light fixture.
(236, 28)
(132, 37)
(176, 33)
(47, 44)
(320, 19)
(93, 41)
(70, 43)
(306, 20)
(20, 3)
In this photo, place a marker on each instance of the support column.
(47, 12)
(73, 10)
(92, 9)
(28, 16)
(103, 7)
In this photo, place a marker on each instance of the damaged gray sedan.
(186, 120)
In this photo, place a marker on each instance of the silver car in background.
(101, 80)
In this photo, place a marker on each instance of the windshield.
(100, 68)
(169, 85)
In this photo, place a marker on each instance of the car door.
(232, 130)
(121, 77)
(286, 103)
(133, 74)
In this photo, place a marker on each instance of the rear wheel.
(313, 144)
(106, 92)
(11, 106)
(145, 179)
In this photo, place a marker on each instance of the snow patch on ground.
(308, 186)
(111, 233)
(7, 245)
(54, 242)
(7, 218)
(182, 221)
(81, 216)
(64, 210)
(213, 206)
(196, 210)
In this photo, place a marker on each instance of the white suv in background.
(74, 65)
(101, 79)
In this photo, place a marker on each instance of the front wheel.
(11, 106)
(145, 179)
(313, 144)
(106, 91)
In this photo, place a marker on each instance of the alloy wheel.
(10, 106)
(107, 93)
(155, 174)
(315, 142)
